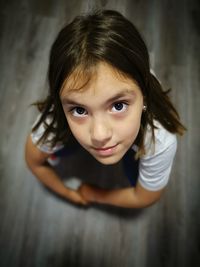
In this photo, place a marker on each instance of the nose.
(101, 132)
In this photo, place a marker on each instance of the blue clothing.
(130, 165)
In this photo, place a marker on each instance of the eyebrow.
(69, 101)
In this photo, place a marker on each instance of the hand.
(88, 192)
(75, 197)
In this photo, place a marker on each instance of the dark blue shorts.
(130, 165)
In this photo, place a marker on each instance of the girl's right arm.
(37, 163)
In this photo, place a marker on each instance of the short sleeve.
(155, 167)
(45, 146)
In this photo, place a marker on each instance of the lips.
(104, 149)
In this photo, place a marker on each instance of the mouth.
(107, 151)
(104, 148)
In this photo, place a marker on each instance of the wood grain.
(39, 229)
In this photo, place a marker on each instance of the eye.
(119, 107)
(78, 112)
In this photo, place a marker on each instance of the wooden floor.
(38, 229)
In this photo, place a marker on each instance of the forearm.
(50, 179)
(118, 197)
(125, 197)
(37, 162)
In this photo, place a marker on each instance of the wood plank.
(39, 229)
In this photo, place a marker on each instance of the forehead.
(101, 77)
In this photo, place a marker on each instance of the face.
(105, 117)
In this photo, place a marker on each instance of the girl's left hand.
(88, 192)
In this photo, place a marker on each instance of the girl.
(102, 94)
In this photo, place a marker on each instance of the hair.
(104, 36)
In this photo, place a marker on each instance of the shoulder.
(155, 166)
(163, 140)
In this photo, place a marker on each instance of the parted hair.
(104, 36)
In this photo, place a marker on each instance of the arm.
(36, 161)
(134, 197)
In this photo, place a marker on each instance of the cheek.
(130, 128)
(73, 127)
(77, 131)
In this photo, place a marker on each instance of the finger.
(84, 202)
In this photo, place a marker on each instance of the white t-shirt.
(154, 167)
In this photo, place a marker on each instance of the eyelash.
(124, 103)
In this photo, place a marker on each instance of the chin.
(108, 160)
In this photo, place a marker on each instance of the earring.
(144, 108)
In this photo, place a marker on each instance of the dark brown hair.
(104, 36)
